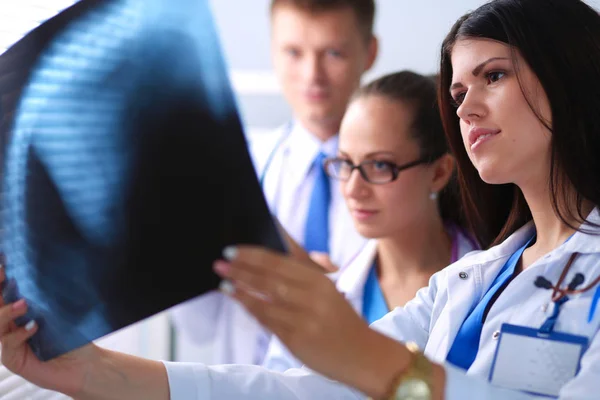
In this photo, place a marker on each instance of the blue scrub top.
(466, 344)
(374, 304)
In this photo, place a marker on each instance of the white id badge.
(531, 361)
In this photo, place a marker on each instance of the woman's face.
(376, 128)
(505, 140)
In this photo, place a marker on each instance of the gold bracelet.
(415, 382)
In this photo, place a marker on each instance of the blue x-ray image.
(125, 169)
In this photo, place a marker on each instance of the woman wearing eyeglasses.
(397, 178)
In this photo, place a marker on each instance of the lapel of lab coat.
(351, 279)
(268, 154)
(467, 281)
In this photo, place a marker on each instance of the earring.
(433, 196)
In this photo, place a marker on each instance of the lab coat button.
(496, 335)
(463, 275)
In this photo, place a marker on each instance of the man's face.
(319, 59)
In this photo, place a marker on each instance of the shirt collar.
(351, 278)
(586, 242)
(587, 239)
(302, 147)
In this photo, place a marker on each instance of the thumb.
(294, 248)
(323, 260)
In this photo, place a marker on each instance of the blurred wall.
(410, 34)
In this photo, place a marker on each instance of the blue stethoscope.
(287, 131)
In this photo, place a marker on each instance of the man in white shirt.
(320, 50)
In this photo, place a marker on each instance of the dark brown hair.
(363, 9)
(419, 93)
(560, 41)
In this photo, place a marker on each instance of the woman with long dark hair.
(519, 94)
(399, 183)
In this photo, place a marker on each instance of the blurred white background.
(410, 34)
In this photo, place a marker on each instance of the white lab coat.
(433, 319)
(234, 335)
(287, 186)
(351, 282)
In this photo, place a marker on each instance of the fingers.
(295, 326)
(279, 320)
(267, 262)
(11, 336)
(17, 337)
(8, 313)
(293, 247)
(272, 275)
(268, 287)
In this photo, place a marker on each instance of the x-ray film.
(125, 170)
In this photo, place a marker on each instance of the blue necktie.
(316, 234)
